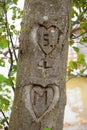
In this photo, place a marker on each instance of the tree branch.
(79, 17)
(8, 31)
(74, 37)
(4, 116)
(11, 61)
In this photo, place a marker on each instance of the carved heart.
(39, 97)
(47, 38)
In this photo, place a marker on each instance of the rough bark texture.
(40, 95)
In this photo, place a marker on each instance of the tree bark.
(40, 95)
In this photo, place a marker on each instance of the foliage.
(9, 34)
(47, 129)
(78, 37)
(8, 56)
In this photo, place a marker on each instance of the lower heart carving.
(40, 100)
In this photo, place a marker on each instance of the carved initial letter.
(47, 37)
(41, 100)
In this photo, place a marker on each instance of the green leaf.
(1, 126)
(83, 40)
(2, 63)
(4, 120)
(13, 17)
(3, 43)
(12, 27)
(14, 70)
(76, 49)
(15, 1)
(81, 59)
(4, 103)
(1, 30)
(84, 25)
(74, 12)
(6, 81)
(71, 42)
(73, 65)
(47, 129)
(2, 79)
(82, 71)
(7, 91)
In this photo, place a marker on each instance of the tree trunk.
(40, 95)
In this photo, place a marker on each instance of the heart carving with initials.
(47, 35)
(40, 100)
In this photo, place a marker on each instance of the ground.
(76, 127)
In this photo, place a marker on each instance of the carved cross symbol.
(43, 65)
